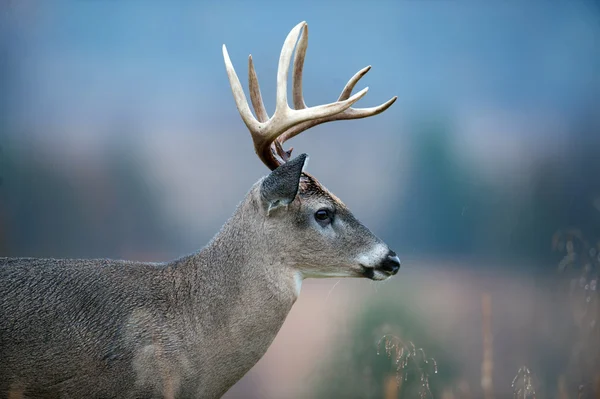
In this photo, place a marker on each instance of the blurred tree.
(38, 203)
(440, 211)
(142, 224)
(563, 194)
(7, 96)
(83, 210)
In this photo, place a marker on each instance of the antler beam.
(269, 134)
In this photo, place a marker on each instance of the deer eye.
(323, 216)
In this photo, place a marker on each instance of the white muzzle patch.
(374, 257)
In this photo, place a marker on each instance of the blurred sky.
(83, 64)
(161, 61)
(516, 77)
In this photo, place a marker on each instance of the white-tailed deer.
(192, 327)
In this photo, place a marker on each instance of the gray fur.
(189, 328)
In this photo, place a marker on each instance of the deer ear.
(281, 186)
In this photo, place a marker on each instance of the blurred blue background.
(119, 138)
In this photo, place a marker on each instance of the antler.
(269, 134)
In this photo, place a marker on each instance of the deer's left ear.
(281, 186)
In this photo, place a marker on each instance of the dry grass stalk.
(487, 365)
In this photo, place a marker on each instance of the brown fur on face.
(337, 249)
(310, 186)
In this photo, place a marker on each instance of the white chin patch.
(374, 257)
(329, 274)
(298, 277)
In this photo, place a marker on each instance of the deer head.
(301, 220)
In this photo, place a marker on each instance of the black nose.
(391, 263)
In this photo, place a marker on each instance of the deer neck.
(239, 294)
(241, 255)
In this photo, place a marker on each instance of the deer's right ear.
(281, 186)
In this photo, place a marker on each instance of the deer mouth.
(376, 274)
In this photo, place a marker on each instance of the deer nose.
(391, 263)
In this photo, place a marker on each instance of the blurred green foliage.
(359, 366)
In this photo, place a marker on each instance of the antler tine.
(299, 104)
(298, 69)
(238, 94)
(255, 96)
(352, 82)
(283, 68)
